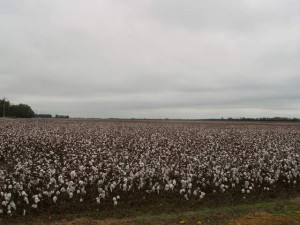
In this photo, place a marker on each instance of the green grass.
(222, 214)
(171, 213)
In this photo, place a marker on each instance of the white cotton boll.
(34, 206)
(181, 191)
(78, 191)
(71, 182)
(167, 187)
(118, 197)
(153, 188)
(71, 195)
(98, 200)
(246, 184)
(7, 196)
(10, 187)
(24, 212)
(115, 201)
(195, 192)
(52, 180)
(83, 191)
(171, 187)
(81, 199)
(186, 197)
(63, 190)
(243, 190)
(174, 182)
(202, 195)
(73, 174)
(26, 200)
(8, 212)
(4, 203)
(248, 191)
(54, 199)
(81, 168)
(36, 200)
(1, 211)
(13, 205)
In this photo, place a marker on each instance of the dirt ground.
(89, 221)
(264, 218)
(255, 218)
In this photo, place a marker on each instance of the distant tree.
(7, 106)
(62, 116)
(42, 115)
(21, 111)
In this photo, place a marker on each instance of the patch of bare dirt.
(116, 222)
(296, 200)
(90, 221)
(264, 218)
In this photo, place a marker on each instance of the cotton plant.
(53, 162)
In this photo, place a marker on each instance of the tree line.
(281, 119)
(16, 111)
(8, 109)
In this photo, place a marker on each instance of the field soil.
(263, 218)
(254, 218)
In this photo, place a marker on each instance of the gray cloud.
(156, 59)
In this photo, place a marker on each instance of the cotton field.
(46, 163)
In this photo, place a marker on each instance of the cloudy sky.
(152, 58)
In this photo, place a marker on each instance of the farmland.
(74, 164)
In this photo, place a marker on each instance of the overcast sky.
(152, 58)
